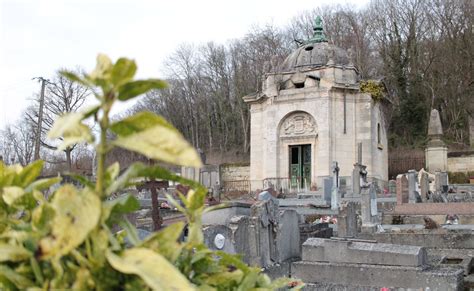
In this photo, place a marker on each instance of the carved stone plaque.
(298, 124)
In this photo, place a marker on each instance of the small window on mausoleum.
(379, 137)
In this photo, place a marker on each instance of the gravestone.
(289, 246)
(368, 208)
(402, 189)
(373, 203)
(343, 187)
(328, 184)
(441, 181)
(347, 220)
(392, 187)
(265, 218)
(424, 185)
(356, 180)
(412, 186)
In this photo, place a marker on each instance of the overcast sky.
(37, 37)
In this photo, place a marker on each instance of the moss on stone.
(374, 88)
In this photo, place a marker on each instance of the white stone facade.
(321, 106)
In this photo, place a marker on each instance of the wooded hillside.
(423, 50)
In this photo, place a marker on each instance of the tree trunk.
(68, 159)
(155, 208)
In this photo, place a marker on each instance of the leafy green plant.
(66, 242)
(375, 89)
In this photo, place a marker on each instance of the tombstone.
(265, 218)
(356, 180)
(289, 246)
(392, 187)
(424, 185)
(342, 187)
(328, 184)
(206, 179)
(441, 181)
(216, 191)
(347, 220)
(412, 186)
(373, 202)
(402, 189)
(368, 208)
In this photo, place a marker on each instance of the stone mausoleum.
(311, 112)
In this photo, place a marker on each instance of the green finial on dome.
(318, 31)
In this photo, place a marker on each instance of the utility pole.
(40, 117)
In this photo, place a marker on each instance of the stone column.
(436, 152)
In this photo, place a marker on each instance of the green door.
(300, 166)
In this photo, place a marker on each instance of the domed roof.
(315, 52)
(315, 55)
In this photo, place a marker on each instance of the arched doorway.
(297, 148)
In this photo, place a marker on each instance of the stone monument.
(311, 112)
(436, 152)
(335, 194)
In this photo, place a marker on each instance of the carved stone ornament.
(298, 124)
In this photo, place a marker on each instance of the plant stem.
(102, 151)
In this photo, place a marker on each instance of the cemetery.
(317, 204)
(301, 188)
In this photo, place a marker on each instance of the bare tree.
(423, 50)
(20, 142)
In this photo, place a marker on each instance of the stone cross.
(359, 173)
(335, 172)
(335, 196)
